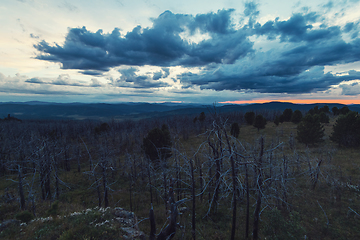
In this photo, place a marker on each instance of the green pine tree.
(346, 130)
(310, 131)
(259, 122)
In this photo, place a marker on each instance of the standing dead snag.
(152, 224)
(316, 175)
(258, 168)
(247, 202)
(21, 191)
(169, 231)
(234, 182)
(193, 220)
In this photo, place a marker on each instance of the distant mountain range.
(105, 111)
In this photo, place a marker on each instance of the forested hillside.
(134, 111)
(211, 175)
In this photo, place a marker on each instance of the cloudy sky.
(182, 51)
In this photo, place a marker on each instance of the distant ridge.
(103, 111)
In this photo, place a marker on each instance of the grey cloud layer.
(130, 78)
(63, 80)
(160, 45)
(296, 66)
(20, 85)
(228, 60)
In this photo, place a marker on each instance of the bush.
(346, 130)
(202, 117)
(344, 110)
(296, 117)
(324, 118)
(157, 143)
(335, 111)
(24, 216)
(287, 114)
(259, 122)
(53, 211)
(309, 130)
(325, 109)
(249, 117)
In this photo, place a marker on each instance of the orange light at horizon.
(299, 101)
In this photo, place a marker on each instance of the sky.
(230, 51)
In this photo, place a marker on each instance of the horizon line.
(298, 101)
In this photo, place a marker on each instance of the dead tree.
(193, 220)
(21, 190)
(169, 231)
(258, 170)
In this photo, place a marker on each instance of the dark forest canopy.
(120, 111)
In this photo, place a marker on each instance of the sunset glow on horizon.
(298, 101)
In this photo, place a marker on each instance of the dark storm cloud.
(305, 82)
(218, 23)
(296, 29)
(252, 12)
(130, 79)
(296, 66)
(159, 45)
(305, 44)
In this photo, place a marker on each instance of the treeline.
(310, 130)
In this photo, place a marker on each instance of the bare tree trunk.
(57, 189)
(106, 199)
(234, 198)
(259, 191)
(97, 188)
(233, 173)
(152, 224)
(284, 178)
(217, 176)
(200, 180)
(21, 191)
(47, 179)
(42, 178)
(169, 231)
(193, 220)
(130, 187)
(164, 169)
(316, 175)
(150, 184)
(247, 202)
(78, 158)
(210, 179)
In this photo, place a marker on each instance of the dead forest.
(204, 182)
